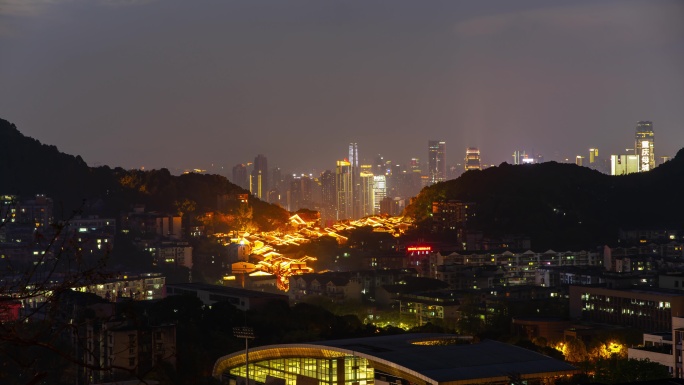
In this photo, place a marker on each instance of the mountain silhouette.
(28, 167)
(562, 205)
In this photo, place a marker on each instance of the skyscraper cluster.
(643, 158)
(358, 190)
(354, 189)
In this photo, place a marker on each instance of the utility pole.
(247, 333)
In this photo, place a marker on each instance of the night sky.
(186, 84)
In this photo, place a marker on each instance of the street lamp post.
(247, 333)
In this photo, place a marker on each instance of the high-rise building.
(278, 188)
(472, 159)
(301, 193)
(414, 166)
(379, 165)
(354, 154)
(344, 190)
(593, 156)
(522, 157)
(276, 181)
(579, 160)
(518, 156)
(406, 184)
(379, 190)
(240, 175)
(328, 198)
(437, 161)
(387, 206)
(258, 181)
(623, 164)
(366, 194)
(644, 145)
(355, 180)
(597, 162)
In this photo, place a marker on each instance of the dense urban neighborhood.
(192, 279)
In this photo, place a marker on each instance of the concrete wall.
(661, 358)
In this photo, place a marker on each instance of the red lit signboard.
(419, 248)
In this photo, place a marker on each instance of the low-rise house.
(336, 286)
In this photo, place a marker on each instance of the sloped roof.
(454, 362)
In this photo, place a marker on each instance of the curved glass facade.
(347, 370)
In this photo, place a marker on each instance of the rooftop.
(455, 361)
(226, 290)
(430, 358)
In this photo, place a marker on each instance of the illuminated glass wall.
(343, 371)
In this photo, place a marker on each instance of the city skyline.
(185, 86)
(436, 155)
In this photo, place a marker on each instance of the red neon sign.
(419, 248)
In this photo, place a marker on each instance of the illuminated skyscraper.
(597, 162)
(579, 160)
(355, 180)
(593, 156)
(366, 194)
(624, 164)
(354, 154)
(518, 156)
(344, 190)
(644, 145)
(436, 161)
(258, 180)
(379, 190)
(472, 159)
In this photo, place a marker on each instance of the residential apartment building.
(173, 253)
(436, 307)
(648, 309)
(519, 268)
(123, 350)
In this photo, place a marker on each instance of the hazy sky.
(187, 84)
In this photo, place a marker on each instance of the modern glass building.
(344, 369)
(421, 359)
